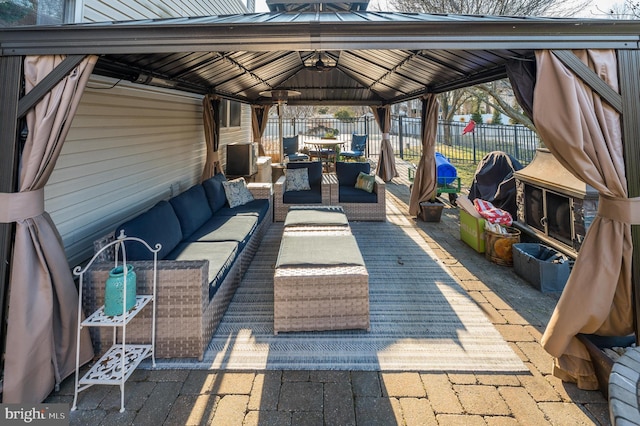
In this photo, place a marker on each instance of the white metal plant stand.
(117, 364)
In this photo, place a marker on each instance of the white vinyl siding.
(124, 10)
(127, 146)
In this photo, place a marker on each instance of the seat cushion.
(220, 255)
(351, 194)
(298, 157)
(215, 192)
(192, 209)
(258, 207)
(226, 228)
(347, 173)
(158, 225)
(313, 196)
(319, 250)
(316, 216)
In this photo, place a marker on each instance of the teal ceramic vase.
(115, 290)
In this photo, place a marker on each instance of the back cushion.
(215, 192)
(192, 209)
(159, 224)
(347, 173)
(315, 171)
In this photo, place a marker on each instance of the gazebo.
(576, 78)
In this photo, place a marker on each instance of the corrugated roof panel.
(378, 56)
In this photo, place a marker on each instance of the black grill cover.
(494, 181)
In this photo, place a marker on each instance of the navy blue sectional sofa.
(206, 248)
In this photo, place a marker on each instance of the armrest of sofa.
(380, 188)
(278, 187)
(182, 299)
(107, 255)
(261, 190)
(330, 181)
(176, 279)
(279, 209)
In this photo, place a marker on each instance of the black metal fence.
(516, 140)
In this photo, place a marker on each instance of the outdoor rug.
(421, 319)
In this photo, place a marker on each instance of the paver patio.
(519, 313)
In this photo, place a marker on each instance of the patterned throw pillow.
(237, 192)
(297, 180)
(365, 182)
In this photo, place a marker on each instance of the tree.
(626, 9)
(496, 118)
(497, 93)
(493, 7)
(449, 104)
(298, 111)
(344, 114)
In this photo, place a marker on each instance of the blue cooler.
(447, 173)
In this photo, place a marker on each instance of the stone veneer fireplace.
(553, 205)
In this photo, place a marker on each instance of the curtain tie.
(625, 210)
(214, 156)
(19, 206)
(385, 136)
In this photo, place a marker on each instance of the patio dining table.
(328, 146)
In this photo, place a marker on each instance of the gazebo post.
(11, 70)
(628, 65)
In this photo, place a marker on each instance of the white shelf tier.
(108, 369)
(99, 319)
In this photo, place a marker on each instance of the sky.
(589, 12)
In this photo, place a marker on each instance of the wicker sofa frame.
(322, 298)
(185, 318)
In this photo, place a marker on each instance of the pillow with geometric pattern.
(365, 182)
(297, 180)
(237, 192)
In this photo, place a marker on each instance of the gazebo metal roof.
(370, 57)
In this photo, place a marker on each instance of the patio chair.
(358, 204)
(290, 145)
(318, 192)
(357, 148)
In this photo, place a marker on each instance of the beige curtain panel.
(210, 115)
(43, 301)
(259, 120)
(584, 134)
(386, 167)
(425, 183)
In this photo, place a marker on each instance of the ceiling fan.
(321, 65)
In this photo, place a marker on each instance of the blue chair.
(357, 149)
(290, 146)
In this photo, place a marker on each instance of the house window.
(230, 113)
(14, 13)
